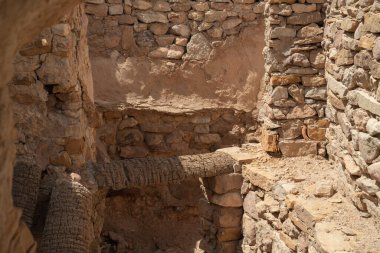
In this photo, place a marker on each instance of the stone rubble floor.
(337, 225)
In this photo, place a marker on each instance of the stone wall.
(54, 114)
(180, 54)
(52, 96)
(165, 28)
(352, 44)
(14, 235)
(129, 133)
(296, 205)
(221, 213)
(293, 114)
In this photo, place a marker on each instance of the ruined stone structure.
(120, 118)
(129, 133)
(294, 111)
(164, 29)
(352, 74)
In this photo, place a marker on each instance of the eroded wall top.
(171, 29)
(183, 53)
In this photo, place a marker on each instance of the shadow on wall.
(230, 78)
(153, 219)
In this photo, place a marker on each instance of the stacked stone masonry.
(293, 114)
(310, 44)
(52, 96)
(352, 45)
(167, 29)
(221, 213)
(129, 133)
(291, 212)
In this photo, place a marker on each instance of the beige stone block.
(259, 177)
(298, 148)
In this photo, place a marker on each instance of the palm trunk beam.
(154, 171)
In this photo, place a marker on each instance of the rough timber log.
(68, 228)
(153, 171)
(26, 182)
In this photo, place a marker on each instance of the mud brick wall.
(168, 29)
(293, 114)
(129, 133)
(352, 43)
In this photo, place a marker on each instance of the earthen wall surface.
(180, 54)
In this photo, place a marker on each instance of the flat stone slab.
(240, 155)
(337, 87)
(290, 148)
(307, 212)
(365, 101)
(329, 239)
(312, 211)
(260, 177)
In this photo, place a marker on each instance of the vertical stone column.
(293, 113)
(221, 213)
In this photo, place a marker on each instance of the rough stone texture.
(52, 97)
(298, 148)
(302, 210)
(129, 132)
(14, 235)
(224, 183)
(292, 105)
(185, 63)
(352, 78)
(53, 109)
(184, 19)
(223, 213)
